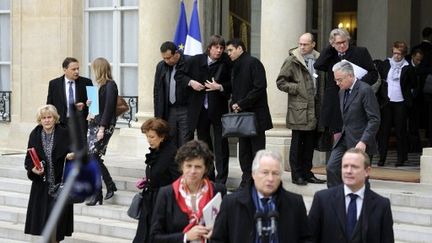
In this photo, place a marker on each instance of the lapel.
(167, 80)
(63, 91)
(369, 204)
(351, 97)
(338, 205)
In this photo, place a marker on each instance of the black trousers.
(177, 120)
(248, 147)
(301, 154)
(217, 143)
(393, 113)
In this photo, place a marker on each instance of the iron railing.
(5, 106)
(130, 115)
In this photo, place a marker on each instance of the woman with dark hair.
(394, 97)
(51, 142)
(177, 215)
(161, 170)
(101, 127)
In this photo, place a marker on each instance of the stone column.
(157, 23)
(282, 22)
(43, 33)
(426, 166)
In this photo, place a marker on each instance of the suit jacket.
(330, 114)
(361, 117)
(57, 96)
(168, 220)
(107, 104)
(161, 89)
(327, 217)
(249, 84)
(407, 80)
(196, 68)
(235, 221)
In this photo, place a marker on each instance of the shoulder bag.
(122, 106)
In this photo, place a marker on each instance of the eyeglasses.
(266, 173)
(340, 43)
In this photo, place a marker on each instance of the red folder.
(35, 158)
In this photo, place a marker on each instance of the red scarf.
(194, 217)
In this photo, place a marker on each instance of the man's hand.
(236, 108)
(213, 85)
(361, 145)
(196, 85)
(79, 106)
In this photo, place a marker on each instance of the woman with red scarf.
(177, 215)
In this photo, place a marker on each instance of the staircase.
(411, 203)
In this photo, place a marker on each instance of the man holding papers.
(263, 211)
(340, 49)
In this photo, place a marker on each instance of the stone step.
(412, 216)
(14, 233)
(412, 233)
(107, 227)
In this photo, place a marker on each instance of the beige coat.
(295, 79)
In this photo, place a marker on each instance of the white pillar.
(282, 22)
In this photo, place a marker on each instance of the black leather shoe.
(299, 181)
(110, 191)
(315, 180)
(95, 199)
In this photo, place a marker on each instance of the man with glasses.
(340, 49)
(361, 119)
(264, 211)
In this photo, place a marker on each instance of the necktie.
(351, 214)
(266, 209)
(346, 95)
(172, 87)
(71, 97)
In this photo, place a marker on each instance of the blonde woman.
(101, 127)
(51, 142)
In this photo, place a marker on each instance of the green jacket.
(303, 97)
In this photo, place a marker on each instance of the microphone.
(273, 216)
(88, 181)
(259, 216)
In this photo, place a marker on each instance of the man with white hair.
(263, 211)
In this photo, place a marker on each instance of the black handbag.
(242, 124)
(134, 210)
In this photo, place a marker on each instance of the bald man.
(298, 78)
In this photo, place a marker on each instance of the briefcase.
(242, 124)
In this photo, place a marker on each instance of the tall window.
(5, 45)
(112, 33)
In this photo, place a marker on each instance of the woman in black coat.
(177, 215)
(51, 142)
(161, 170)
(101, 127)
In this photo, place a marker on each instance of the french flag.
(193, 44)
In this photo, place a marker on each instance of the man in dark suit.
(351, 212)
(170, 98)
(360, 115)
(249, 94)
(280, 216)
(340, 49)
(70, 89)
(207, 78)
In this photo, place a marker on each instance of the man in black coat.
(249, 83)
(351, 212)
(246, 216)
(208, 81)
(70, 88)
(340, 49)
(170, 98)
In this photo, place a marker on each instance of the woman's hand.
(197, 232)
(70, 156)
(88, 102)
(100, 133)
(38, 172)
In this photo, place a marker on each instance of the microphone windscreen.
(88, 181)
(273, 214)
(259, 215)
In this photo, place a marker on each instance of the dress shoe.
(299, 181)
(95, 199)
(110, 191)
(315, 180)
